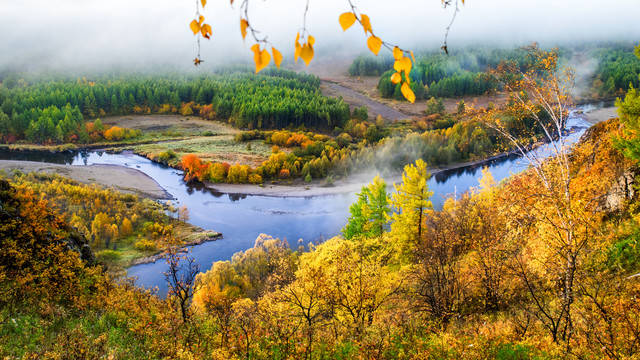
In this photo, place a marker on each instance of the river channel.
(242, 218)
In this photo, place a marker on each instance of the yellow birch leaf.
(366, 23)
(204, 2)
(412, 57)
(296, 54)
(259, 58)
(265, 58)
(195, 27)
(408, 93)
(374, 43)
(206, 31)
(397, 53)
(306, 53)
(403, 64)
(201, 20)
(396, 78)
(243, 27)
(277, 56)
(311, 40)
(346, 20)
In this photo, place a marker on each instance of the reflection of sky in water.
(241, 218)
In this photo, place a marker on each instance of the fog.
(50, 34)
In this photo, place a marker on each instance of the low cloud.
(54, 34)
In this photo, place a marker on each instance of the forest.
(53, 109)
(464, 72)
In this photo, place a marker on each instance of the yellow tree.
(307, 297)
(550, 214)
(411, 202)
(359, 285)
(216, 296)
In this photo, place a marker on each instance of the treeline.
(459, 73)
(369, 65)
(618, 68)
(273, 99)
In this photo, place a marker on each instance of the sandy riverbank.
(352, 184)
(603, 114)
(120, 178)
(297, 188)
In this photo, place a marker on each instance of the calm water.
(241, 218)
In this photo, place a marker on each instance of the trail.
(356, 99)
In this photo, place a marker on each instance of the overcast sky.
(50, 33)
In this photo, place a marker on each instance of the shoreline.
(352, 184)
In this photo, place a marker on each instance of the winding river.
(242, 218)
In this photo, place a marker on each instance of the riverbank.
(602, 114)
(299, 188)
(120, 178)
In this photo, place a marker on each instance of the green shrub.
(167, 156)
(109, 255)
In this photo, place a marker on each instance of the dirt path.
(356, 99)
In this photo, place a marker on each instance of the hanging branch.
(199, 28)
(446, 3)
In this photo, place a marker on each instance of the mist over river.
(242, 218)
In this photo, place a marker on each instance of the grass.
(210, 140)
(212, 148)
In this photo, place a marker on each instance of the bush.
(145, 245)
(255, 179)
(108, 255)
(238, 174)
(434, 106)
(284, 174)
(329, 181)
(167, 156)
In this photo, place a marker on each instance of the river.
(242, 218)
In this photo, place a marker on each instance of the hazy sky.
(123, 32)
